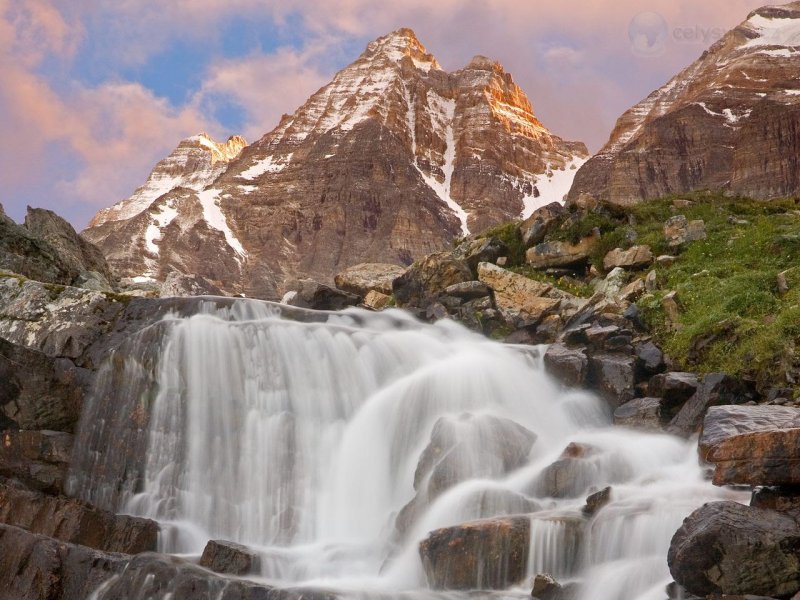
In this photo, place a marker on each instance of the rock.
(518, 298)
(613, 377)
(485, 554)
(729, 548)
(649, 358)
(785, 499)
(75, 522)
(674, 387)
(545, 587)
(92, 280)
(635, 257)
(665, 260)
(180, 284)
(568, 477)
(468, 290)
(33, 567)
(633, 291)
(679, 231)
(640, 413)
(23, 252)
(715, 389)
(651, 281)
(670, 305)
(569, 366)
(596, 501)
(561, 254)
(227, 557)
(611, 287)
(428, 278)
(376, 300)
(597, 336)
(368, 277)
(318, 296)
(752, 445)
(782, 283)
(543, 221)
(474, 252)
(39, 459)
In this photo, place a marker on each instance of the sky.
(93, 93)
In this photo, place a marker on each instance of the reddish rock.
(40, 459)
(367, 277)
(635, 257)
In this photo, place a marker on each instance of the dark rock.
(318, 296)
(40, 459)
(597, 335)
(596, 501)
(436, 312)
(428, 278)
(75, 522)
(481, 250)
(752, 445)
(612, 376)
(785, 499)
(715, 389)
(640, 413)
(729, 548)
(36, 567)
(24, 253)
(541, 222)
(572, 475)
(649, 358)
(568, 365)
(485, 554)
(545, 587)
(228, 557)
(675, 388)
(468, 290)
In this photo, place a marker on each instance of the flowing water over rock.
(304, 438)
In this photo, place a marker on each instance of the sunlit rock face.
(390, 161)
(730, 121)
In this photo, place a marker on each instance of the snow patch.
(155, 230)
(778, 52)
(266, 165)
(792, 92)
(247, 189)
(774, 31)
(212, 213)
(553, 186)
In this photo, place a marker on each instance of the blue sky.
(94, 93)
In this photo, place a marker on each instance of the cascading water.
(305, 440)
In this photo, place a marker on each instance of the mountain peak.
(483, 63)
(399, 44)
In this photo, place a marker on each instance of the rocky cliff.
(730, 121)
(390, 161)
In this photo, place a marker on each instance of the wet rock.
(612, 375)
(570, 476)
(75, 522)
(318, 296)
(482, 250)
(729, 548)
(541, 222)
(674, 387)
(596, 501)
(752, 445)
(468, 290)
(518, 298)
(715, 389)
(561, 254)
(635, 257)
(33, 567)
(545, 587)
(568, 365)
(39, 459)
(640, 413)
(485, 554)
(228, 557)
(785, 499)
(367, 277)
(428, 278)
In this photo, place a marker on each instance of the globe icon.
(647, 32)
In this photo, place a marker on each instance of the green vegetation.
(509, 234)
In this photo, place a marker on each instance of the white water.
(301, 440)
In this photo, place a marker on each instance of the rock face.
(729, 548)
(697, 133)
(752, 445)
(39, 459)
(715, 389)
(365, 278)
(227, 557)
(389, 162)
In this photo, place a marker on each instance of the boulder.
(752, 445)
(228, 557)
(674, 387)
(729, 548)
(596, 501)
(484, 554)
(545, 587)
(612, 375)
(36, 567)
(561, 254)
(613, 284)
(376, 300)
(570, 476)
(640, 413)
(679, 231)
(543, 221)
(649, 358)
(318, 296)
(518, 298)
(785, 499)
(468, 290)
(428, 278)
(716, 389)
(367, 277)
(76, 522)
(633, 291)
(39, 459)
(474, 252)
(568, 365)
(636, 257)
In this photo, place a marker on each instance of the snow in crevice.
(266, 165)
(212, 213)
(553, 186)
(411, 121)
(155, 230)
(773, 31)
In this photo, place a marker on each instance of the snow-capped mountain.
(388, 162)
(730, 121)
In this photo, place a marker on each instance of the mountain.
(390, 161)
(730, 121)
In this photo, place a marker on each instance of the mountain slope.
(730, 121)
(388, 162)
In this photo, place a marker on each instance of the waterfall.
(305, 438)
